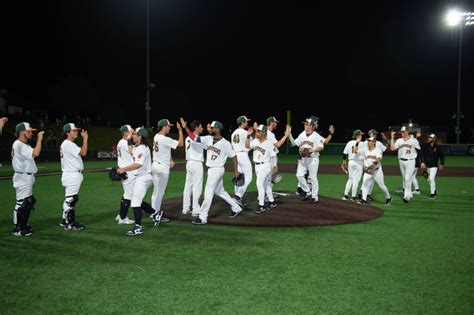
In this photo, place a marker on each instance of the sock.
(137, 211)
(124, 205)
(147, 208)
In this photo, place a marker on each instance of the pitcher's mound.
(291, 211)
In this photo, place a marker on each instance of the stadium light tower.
(459, 19)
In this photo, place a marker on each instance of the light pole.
(459, 19)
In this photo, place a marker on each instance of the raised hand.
(183, 122)
(179, 126)
(392, 134)
(40, 135)
(331, 129)
(84, 134)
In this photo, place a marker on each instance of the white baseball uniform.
(262, 152)
(160, 169)
(143, 179)
(407, 155)
(355, 167)
(125, 158)
(217, 154)
(382, 148)
(25, 169)
(369, 157)
(194, 175)
(274, 158)
(309, 164)
(239, 137)
(72, 167)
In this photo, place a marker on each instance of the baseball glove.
(239, 180)
(425, 173)
(276, 178)
(371, 169)
(305, 152)
(114, 176)
(344, 168)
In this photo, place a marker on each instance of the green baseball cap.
(69, 127)
(242, 119)
(142, 132)
(372, 132)
(357, 133)
(271, 119)
(24, 126)
(126, 128)
(217, 124)
(313, 120)
(164, 122)
(262, 128)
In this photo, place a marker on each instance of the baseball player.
(238, 139)
(416, 186)
(272, 124)
(433, 159)
(372, 171)
(262, 150)
(310, 143)
(125, 158)
(355, 166)
(218, 151)
(407, 152)
(23, 162)
(299, 191)
(71, 179)
(3, 121)
(194, 171)
(140, 168)
(160, 168)
(378, 144)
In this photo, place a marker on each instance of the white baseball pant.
(193, 186)
(71, 181)
(407, 169)
(369, 180)
(355, 168)
(311, 165)
(23, 184)
(215, 185)
(127, 186)
(244, 167)
(142, 183)
(263, 172)
(160, 174)
(431, 179)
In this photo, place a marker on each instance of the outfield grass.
(417, 258)
(455, 161)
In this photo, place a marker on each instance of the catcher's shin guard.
(68, 208)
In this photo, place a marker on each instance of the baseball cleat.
(76, 226)
(416, 192)
(25, 232)
(260, 209)
(156, 217)
(233, 214)
(354, 199)
(137, 230)
(185, 212)
(314, 200)
(362, 202)
(125, 221)
(433, 196)
(305, 197)
(195, 214)
(400, 191)
(388, 202)
(405, 200)
(239, 201)
(272, 204)
(198, 221)
(346, 197)
(300, 192)
(164, 219)
(117, 218)
(63, 223)
(369, 198)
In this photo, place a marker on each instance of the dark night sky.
(353, 64)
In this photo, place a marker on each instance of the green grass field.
(417, 258)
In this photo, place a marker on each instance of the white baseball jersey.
(262, 151)
(238, 140)
(194, 150)
(162, 146)
(370, 156)
(312, 141)
(218, 152)
(22, 158)
(142, 156)
(124, 156)
(71, 160)
(272, 138)
(349, 149)
(378, 144)
(407, 149)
